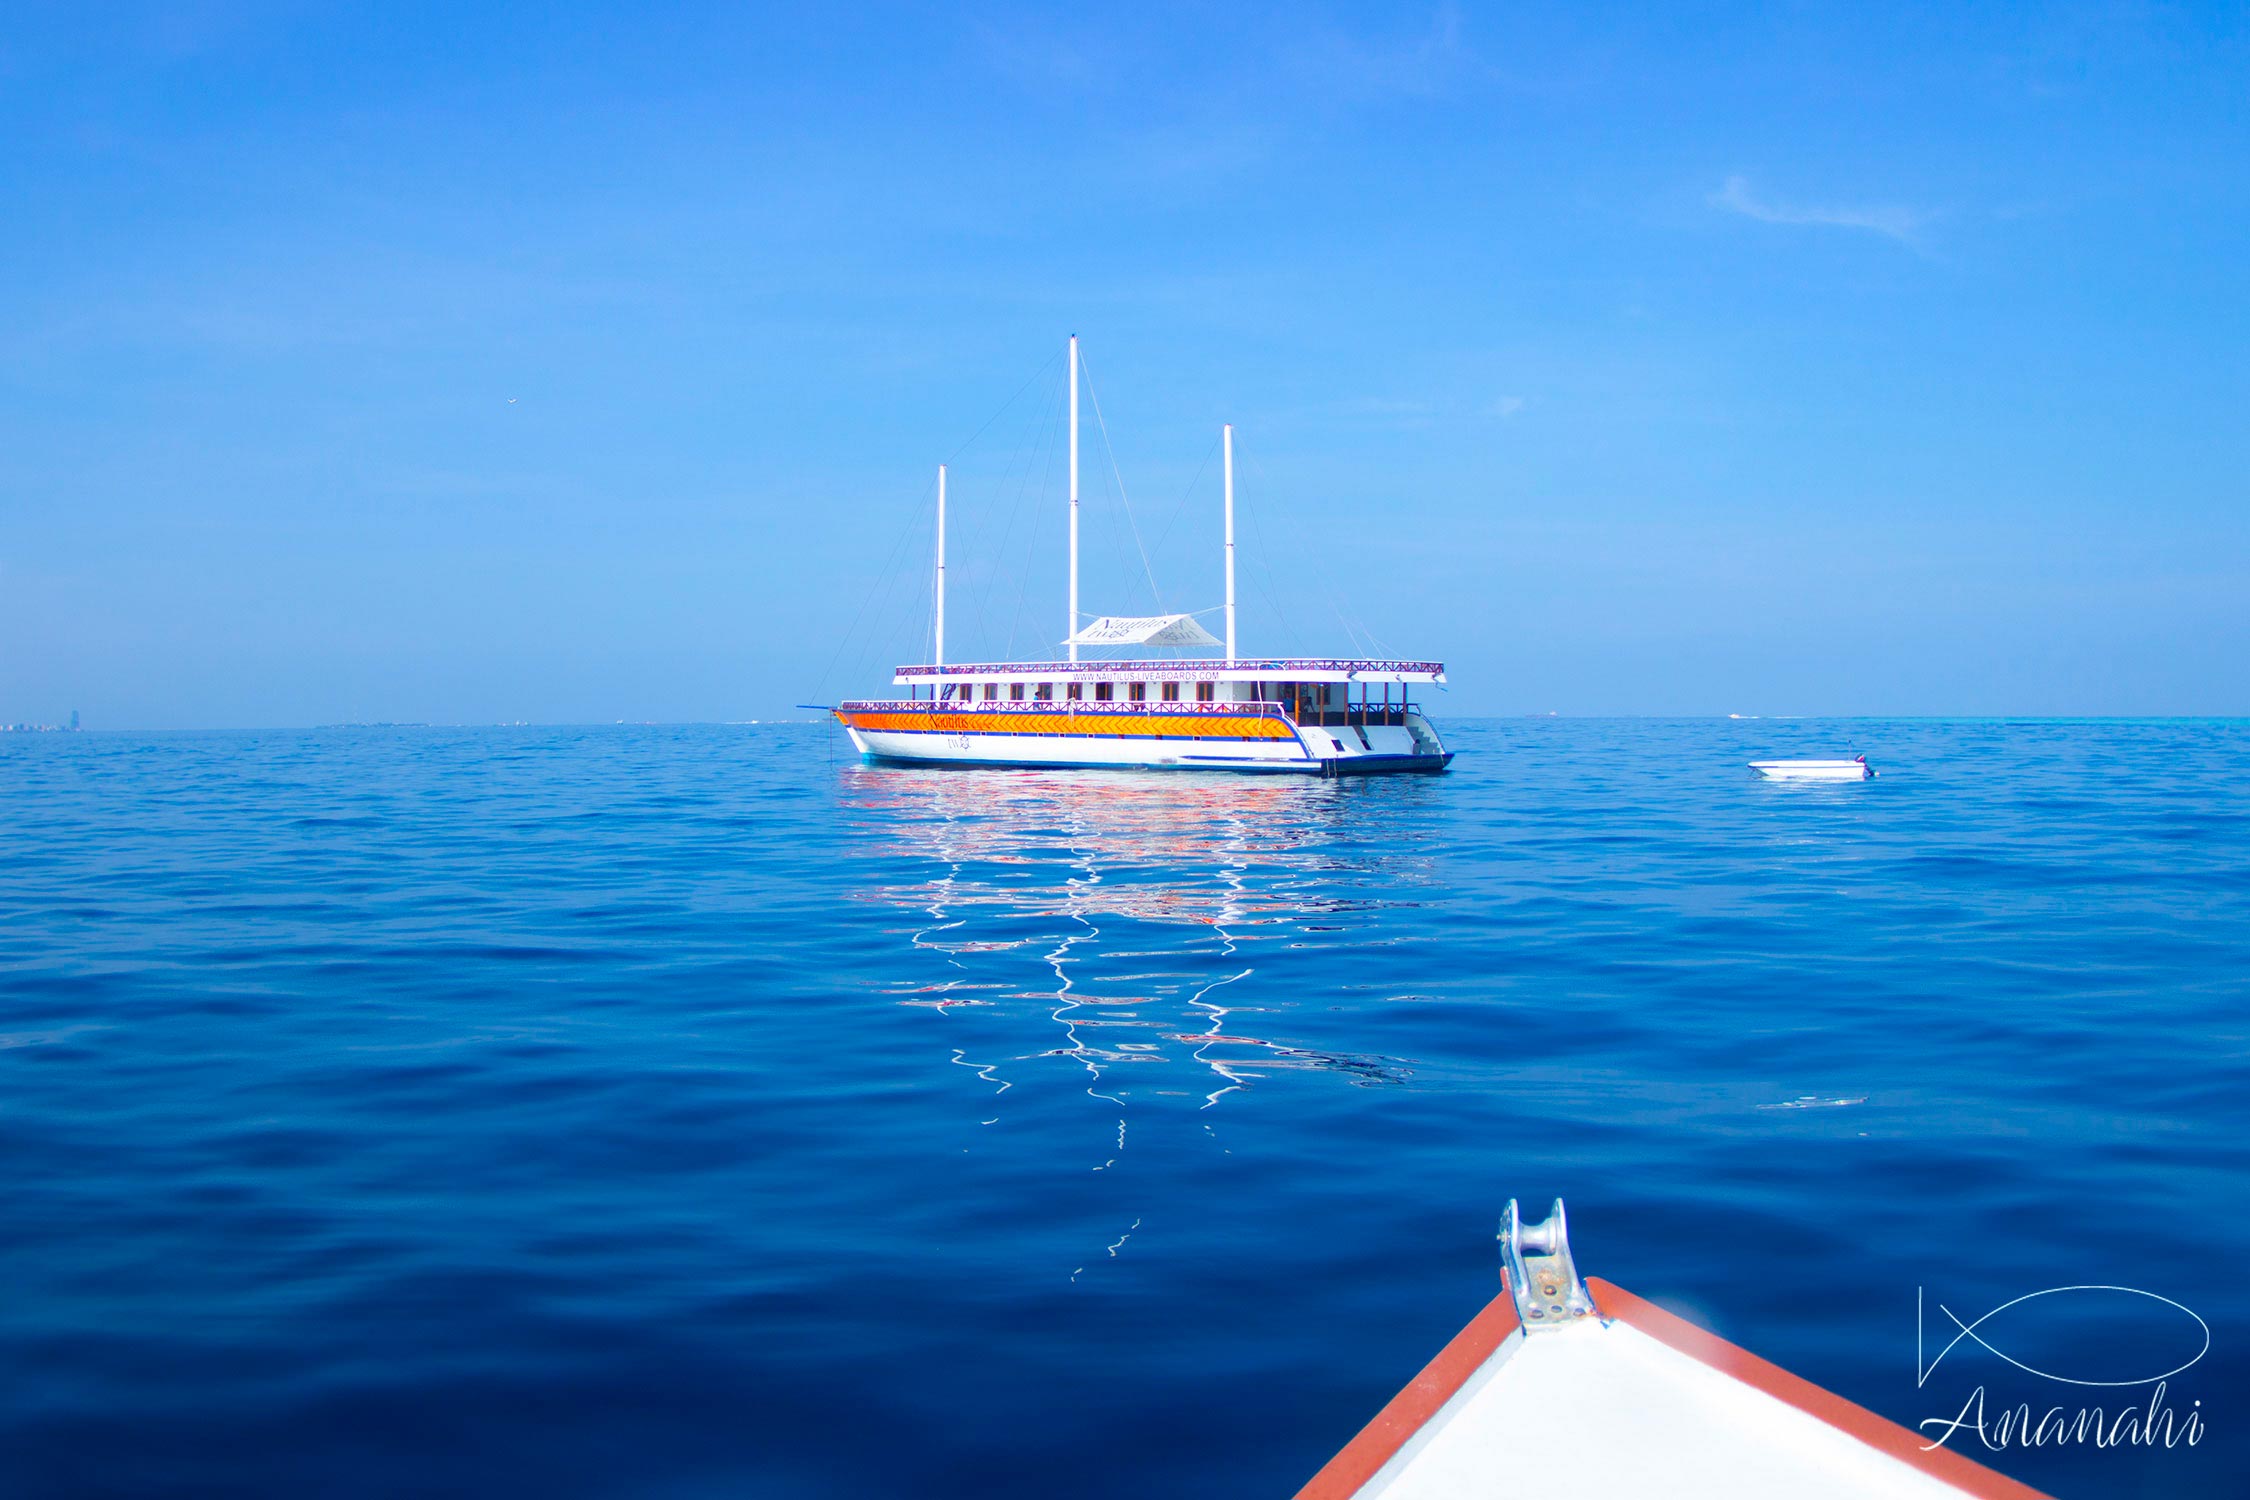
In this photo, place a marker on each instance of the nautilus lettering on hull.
(1285, 715)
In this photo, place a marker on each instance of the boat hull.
(1274, 747)
(1374, 765)
(1812, 770)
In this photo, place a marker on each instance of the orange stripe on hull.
(1880, 1433)
(1396, 1424)
(1152, 726)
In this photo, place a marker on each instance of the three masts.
(1307, 715)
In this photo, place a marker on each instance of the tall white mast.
(1229, 434)
(1071, 635)
(939, 626)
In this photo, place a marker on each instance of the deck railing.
(1369, 714)
(1054, 706)
(1186, 669)
(1392, 714)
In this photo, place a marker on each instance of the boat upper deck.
(1188, 669)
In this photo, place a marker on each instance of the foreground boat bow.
(1567, 1388)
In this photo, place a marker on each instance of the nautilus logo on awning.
(2113, 1338)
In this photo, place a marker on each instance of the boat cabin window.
(1074, 691)
(991, 691)
(1205, 692)
(1045, 693)
(1101, 692)
(1171, 692)
(1308, 702)
(1015, 691)
(1137, 691)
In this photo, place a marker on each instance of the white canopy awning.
(1144, 630)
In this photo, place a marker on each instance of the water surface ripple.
(695, 1111)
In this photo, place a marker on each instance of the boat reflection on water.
(1150, 940)
(1128, 911)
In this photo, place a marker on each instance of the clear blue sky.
(559, 363)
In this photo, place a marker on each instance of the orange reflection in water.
(1124, 913)
(1058, 853)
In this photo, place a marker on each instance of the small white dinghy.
(1854, 769)
(1562, 1388)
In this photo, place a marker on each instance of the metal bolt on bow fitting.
(1541, 1276)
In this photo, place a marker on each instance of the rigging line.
(1040, 487)
(1186, 495)
(871, 604)
(1103, 541)
(1155, 596)
(1038, 371)
(898, 542)
(1046, 489)
(1100, 545)
(903, 618)
(1042, 516)
(878, 627)
(888, 626)
(891, 563)
(898, 624)
(1015, 480)
(1264, 576)
(1012, 484)
(1353, 633)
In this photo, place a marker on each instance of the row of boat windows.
(1103, 692)
(1310, 694)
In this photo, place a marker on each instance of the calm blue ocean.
(694, 1111)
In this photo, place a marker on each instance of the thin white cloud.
(1390, 409)
(1892, 220)
(1420, 64)
(1417, 413)
(1037, 55)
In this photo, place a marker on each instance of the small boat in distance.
(1568, 1387)
(1319, 716)
(1854, 769)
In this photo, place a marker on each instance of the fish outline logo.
(1968, 1330)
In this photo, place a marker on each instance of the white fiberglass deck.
(1632, 1401)
(1603, 1409)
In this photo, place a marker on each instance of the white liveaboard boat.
(1317, 716)
(1564, 1388)
(1855, 769)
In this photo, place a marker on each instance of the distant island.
(70, 728)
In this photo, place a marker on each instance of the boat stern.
(1358, 742)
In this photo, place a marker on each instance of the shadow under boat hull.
(1362, 765)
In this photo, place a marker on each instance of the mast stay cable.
(902, 535)
(1155, 596)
